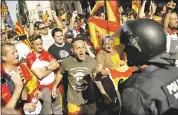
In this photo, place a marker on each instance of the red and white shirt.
(43, 60)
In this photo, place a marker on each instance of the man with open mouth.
(80, 69)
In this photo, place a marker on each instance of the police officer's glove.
(107, 99)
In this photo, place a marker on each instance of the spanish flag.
(45, 17)
(64, 16)
(31, 83)
(117, 75)
(112, 10)
(99, 27)
(136, 5)
(20, 31)
(97, 6)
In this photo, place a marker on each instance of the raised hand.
(74, 14)
(30, 16)
(53, 13)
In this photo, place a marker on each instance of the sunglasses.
(43, 28)
(16, 38)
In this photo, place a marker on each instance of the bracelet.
(31, 21)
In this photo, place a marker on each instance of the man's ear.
(72, 49)
(3, 58)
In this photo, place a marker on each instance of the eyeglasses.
(43, 28)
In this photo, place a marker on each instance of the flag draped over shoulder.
(136, 5)
(20, 31)
(113, 10)
(97, 6)
(5, 15)
(99, 27)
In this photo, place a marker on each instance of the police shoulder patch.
(171, 91)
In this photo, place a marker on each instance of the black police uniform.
(151, 91)
(154, 89)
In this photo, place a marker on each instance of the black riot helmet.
(144, 39)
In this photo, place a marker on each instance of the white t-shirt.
(48, 40)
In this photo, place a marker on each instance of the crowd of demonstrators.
(61, 53)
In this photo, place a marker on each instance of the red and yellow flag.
(117, 75)
(4, 10)
(20, 31)
(136, 5)
(158, 19)
(97, 6)
(113, 10)
(32, 82)
(45, 17)
(99, 27)
(64, 16)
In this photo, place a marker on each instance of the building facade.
(39, 8)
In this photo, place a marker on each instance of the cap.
(69, 34)
(82, 36)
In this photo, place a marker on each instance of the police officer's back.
(152, 90)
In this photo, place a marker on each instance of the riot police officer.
(153, 90)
